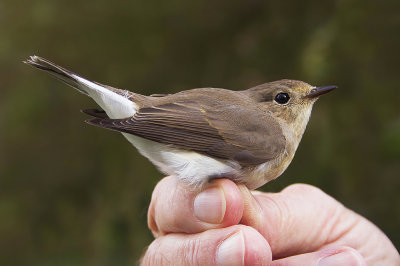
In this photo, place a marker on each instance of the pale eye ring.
(282, 98)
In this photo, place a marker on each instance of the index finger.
(177, 208)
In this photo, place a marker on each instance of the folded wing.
(224, 131)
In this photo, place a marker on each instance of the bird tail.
(77, 82)
(60, 73)
(116, 103)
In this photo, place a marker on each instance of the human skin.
(226, 224)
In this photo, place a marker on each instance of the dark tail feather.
(55, 70)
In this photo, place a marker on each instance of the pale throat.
(301, 123)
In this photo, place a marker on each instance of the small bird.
(248, 136)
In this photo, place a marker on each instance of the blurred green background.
(73, 194)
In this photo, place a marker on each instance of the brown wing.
(223, 131)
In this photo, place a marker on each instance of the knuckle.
(303, 188)
(154, 255)
(159, 186)
(308, 192)
(191, 252)
(168, 250)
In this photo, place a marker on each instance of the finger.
(299, 219)
(175, 208)
(235, 245)
(328, 257)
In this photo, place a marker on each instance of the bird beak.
(318, 91)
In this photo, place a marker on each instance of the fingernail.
(343, 258)
(210, 205)
(231, 251)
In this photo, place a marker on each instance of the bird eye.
(282, 98)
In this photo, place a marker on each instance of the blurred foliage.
(72, 194)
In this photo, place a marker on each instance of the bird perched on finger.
(249, 136)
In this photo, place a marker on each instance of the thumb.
(299, 219)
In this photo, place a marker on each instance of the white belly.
(193, 168)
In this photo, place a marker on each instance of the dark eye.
(282, 98)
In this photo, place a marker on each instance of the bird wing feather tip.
(95, 113)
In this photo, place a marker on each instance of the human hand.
(227, 224)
